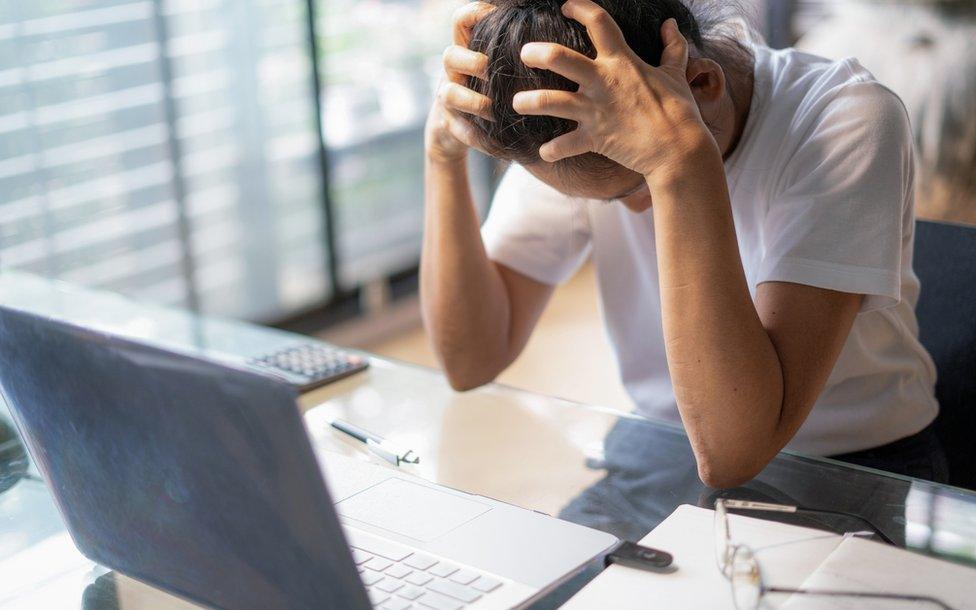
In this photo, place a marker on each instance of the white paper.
(863, 565)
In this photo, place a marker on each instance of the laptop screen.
(189, 474)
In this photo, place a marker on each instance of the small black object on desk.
(639, 557)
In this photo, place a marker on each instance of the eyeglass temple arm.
(874, 527)
(787, 508)
(861, 594)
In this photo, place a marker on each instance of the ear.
(706, 79)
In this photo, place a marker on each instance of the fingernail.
(515, 100)
(672, 23)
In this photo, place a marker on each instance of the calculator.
(311, 365)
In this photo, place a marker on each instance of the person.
(749, 213)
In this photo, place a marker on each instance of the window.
(164, 149)
(380, 62)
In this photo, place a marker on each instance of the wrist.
(697, 152)
(439, 159)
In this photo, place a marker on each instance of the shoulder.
(524, 202)
(535, 229)
(834, 96)
(836, 118)
(860, 99)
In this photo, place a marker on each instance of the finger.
(675, 54)
(465, 132)
(564, 61)
(602, 29)
(459, 61)
(562, 104)
(567, 145)
(466, 17)
(461, 129)
(459, 97)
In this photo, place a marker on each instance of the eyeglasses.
(723, 537)
(738, 563)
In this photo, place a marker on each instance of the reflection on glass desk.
(613, 471)
(594, 466)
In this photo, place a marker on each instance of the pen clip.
(392, 454)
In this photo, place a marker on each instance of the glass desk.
(594, 466)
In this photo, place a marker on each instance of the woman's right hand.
(449, 134)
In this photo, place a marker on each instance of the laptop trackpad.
(410, 509)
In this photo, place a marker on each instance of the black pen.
(377, 444)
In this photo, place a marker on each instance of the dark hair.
(501, 34)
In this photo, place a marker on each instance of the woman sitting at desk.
(749, 213)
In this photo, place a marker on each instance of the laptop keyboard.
(397, 578)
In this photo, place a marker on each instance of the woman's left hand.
(642, 117)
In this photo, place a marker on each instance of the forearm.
(464, 301)
(746, 374)
(725, 370)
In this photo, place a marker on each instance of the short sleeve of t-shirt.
(536, 230)
(838, 220)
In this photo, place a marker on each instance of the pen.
(377, 444)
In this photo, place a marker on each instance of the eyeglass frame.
(801, 510)
(722, 505)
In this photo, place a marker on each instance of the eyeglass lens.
(746, 580)
(723, 549)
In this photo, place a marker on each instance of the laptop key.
(395, 604)
(410, 592)
(420, 562)
(461, 592)
(360, 557)
(443, 570)
(390, 550)
(419, 578)
(439, 602)
(378, 563)
(376, 596)
(371, 578)
(464, 577)
(389, 585)
(398, 570)
(486, 584)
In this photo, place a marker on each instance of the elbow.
(723, 473)
(465, 383)
(467, 377)
(465, 370)
(728, 458)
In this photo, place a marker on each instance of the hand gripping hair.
(504, 31)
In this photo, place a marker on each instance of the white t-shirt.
(822, 195)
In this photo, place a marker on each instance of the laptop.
(197, 475)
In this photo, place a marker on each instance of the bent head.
(502, 34)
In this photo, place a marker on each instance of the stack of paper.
(789, 556)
